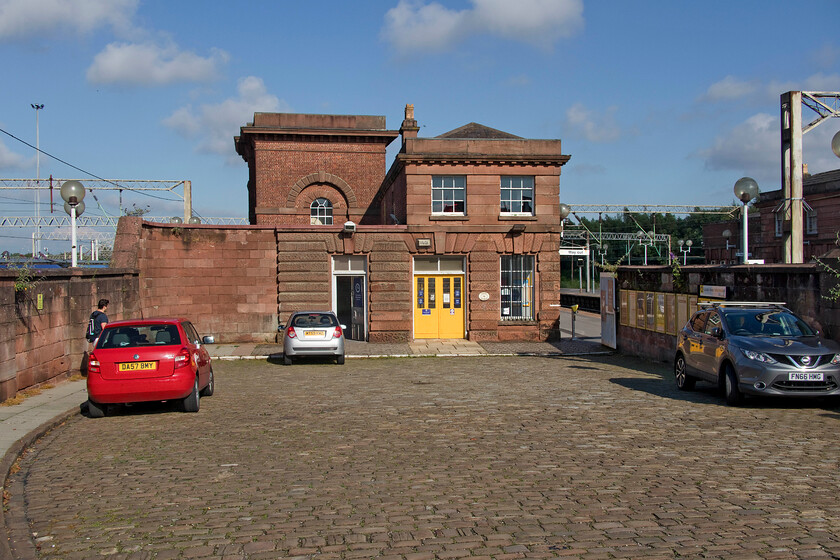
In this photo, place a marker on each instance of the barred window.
(517, 288)
(449, 195)
(321, 212)
(517, 195)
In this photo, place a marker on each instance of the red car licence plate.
(137, 366)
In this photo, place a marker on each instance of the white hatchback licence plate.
(810, 376)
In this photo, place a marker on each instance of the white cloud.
(429, 27)
(732, 88)
(595, 127)
(751, 148)
(416, 26)
(827, 56)
(11, 160)
(27, 18)
(518, 81)
(816, 146)
(536, 21)
(729, 88)
(148, 64)
(215, 125)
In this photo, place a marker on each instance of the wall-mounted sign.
(483, 296)
(424, 242)
(717, 292)
(572, 251)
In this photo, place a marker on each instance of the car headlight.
(759, 356)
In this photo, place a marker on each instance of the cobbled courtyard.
(425, 458)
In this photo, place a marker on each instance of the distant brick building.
(458, 239)
(821, 223)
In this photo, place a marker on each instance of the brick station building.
(459, 239)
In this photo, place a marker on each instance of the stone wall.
(802, 287)
(224, 279)
(42, 327)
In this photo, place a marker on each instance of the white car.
(313, 333)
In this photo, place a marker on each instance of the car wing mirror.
(717, 332)
(281, 327)
(344, 327)
(209, 339)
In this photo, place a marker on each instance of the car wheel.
(211, 386)
(287, 360)
(684, 381)
(339, 359)
(192, 402)
(733, 394)
(96, 410)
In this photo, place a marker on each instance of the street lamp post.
(685, 251)
(602, 250)
(745, 189)
(835, 144)
(646, 239)
(726, 235)
(73, 193)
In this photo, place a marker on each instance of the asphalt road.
(422, 458)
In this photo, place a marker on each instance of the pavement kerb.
(456, 355)
(9, 459)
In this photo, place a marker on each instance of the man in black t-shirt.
(97, 322)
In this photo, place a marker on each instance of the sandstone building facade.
(459, 239)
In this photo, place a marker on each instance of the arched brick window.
(321, 212)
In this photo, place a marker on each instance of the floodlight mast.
(36, 250)
(827, 105)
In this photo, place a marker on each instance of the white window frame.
(516, 184)
(321, 212)
(517, 287)
(449, 189)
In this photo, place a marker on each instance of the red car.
(149, 360)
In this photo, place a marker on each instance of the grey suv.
(756, 349)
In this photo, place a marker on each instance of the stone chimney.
(409, 128)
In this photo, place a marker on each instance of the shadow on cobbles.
(707, 393)
(277, 360)
(136, 409)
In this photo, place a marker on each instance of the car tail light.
(182, 358)
(290, 332)
(93, 365)
(337, 332)
(836, 359)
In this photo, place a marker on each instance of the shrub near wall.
(42, 326)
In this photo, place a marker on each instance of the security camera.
(349, 227)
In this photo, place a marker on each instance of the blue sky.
(666, 102)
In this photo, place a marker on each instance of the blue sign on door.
(358, 291)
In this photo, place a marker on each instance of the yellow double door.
(439, 306)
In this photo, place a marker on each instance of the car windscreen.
(313, 320)
(766, 323)
(140, 335)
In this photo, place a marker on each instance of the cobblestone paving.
(414, 459)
